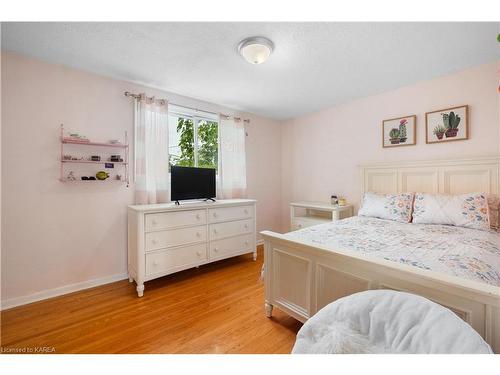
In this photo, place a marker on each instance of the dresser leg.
(269, 309)
(254, 256)
(140, 290)
(130, 279)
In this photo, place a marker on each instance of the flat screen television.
(192, 183)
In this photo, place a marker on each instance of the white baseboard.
(38, 296)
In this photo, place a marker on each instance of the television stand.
(166, 238)
(204, 200)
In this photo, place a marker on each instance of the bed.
(458, 268)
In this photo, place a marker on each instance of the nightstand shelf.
(306, 214)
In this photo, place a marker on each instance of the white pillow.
(395, 207)
(465, 210)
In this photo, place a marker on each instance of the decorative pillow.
(494, 211)
(465, 210)
(395, 207)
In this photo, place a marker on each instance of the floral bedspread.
(467, 253)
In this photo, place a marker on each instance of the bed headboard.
(445, 176)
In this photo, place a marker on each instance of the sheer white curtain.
(151, 151)
(233, 176)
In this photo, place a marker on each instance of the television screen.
(192, 183)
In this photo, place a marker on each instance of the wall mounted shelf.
(107, 181)
(71, 142)
(124, 164)
(94, 162)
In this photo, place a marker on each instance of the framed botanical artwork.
(445, 125)
(399, 131)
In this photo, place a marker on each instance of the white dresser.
(167, 238)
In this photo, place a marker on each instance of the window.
(193, 138)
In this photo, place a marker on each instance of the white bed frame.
(301, 278)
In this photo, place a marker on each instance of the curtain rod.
(138, 96)
(235, 117)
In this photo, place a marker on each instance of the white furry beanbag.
(384, 321)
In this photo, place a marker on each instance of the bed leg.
(269, 309)
(254, 256)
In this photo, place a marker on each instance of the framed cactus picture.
(445, 125)
(399, 131)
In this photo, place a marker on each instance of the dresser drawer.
(304, 222)
(175, 237)
(233, 245)
(229, 229)
(229, 213)
(172, 259)
(177, 219)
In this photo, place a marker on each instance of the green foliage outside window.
(207, 144)
(185, 128)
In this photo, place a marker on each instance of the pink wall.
(56, 235)
(56, 238)
(321, 151)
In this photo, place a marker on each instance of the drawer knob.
(198, 234)
(299, 225)
(154, 222)
(154, 242)
(246, 226)
(198, 253)
(216, 249)
(246, 211)
(198, 216)
(215, 231)
(246, 242)
(215, 214)
(155, 263)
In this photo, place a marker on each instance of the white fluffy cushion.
(465, 210)
(384, 321)
(395, 207)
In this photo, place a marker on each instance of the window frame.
(197, 116)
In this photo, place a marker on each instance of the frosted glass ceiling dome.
(255, 50)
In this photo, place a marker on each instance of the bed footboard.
(300, 279)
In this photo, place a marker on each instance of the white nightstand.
(306, 214)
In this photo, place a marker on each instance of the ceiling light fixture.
(255, 50)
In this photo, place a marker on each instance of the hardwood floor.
(217, 308)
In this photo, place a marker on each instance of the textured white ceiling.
(314, 65)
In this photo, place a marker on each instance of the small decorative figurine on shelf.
(75, 137)
(101, 175)
(71, 176)
(116, 158)
(67, 157)
(119, 177)
(342, 202)
(334, 200)
(95, 158)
